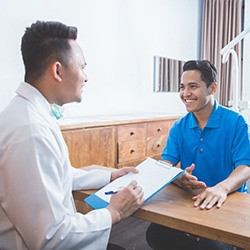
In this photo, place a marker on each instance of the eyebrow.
(190, 83)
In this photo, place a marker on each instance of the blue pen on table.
(113, 191)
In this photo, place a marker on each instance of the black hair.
(207, 69)
(43, 43)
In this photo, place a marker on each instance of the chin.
(189, 109)
(79, 99)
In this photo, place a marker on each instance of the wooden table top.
(174, 207)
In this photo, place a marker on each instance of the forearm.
(93, 179)
(88, 231)
(236, 179)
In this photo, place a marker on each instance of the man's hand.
(210, 197)
(125, 202)
(123, 171)
(189, 181)
(216, 195)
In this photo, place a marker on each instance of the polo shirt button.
(201, 149)
(201, 139)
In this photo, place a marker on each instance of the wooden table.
(173, 207)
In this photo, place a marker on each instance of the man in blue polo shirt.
(212, 144)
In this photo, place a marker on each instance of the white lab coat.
(36, 181)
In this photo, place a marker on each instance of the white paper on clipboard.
(152, 177)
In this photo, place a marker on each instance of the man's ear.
(213, 87)
(56, 71)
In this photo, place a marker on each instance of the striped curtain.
(221, 22)
(167, 73)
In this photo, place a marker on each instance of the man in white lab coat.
(36, 178)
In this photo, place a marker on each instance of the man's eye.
(193, 86)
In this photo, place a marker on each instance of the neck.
(202, 116)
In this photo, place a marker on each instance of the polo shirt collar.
(213, 121)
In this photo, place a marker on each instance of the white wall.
(119, 39)
(246, 56)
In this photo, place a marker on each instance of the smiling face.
(194, 92)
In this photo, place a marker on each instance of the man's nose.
(186, 92)
(85, 77)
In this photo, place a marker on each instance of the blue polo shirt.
(216, 150)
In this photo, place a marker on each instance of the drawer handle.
(132, 133)
(158, 145)
(159, 130)
(132, 151)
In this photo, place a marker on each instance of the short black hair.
(207, 69)
(43, 43)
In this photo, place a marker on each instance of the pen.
(113, 191)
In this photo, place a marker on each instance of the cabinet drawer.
(131, 132)
(131, 150)
(158, 128)
(155, 145)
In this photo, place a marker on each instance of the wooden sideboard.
(115, 142)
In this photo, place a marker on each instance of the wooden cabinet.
(116, 143)
(137, 141)
(131, 143)
(157, 136)
(91, 146)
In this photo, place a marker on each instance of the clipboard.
(152, 177)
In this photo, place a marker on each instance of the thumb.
(190, 169)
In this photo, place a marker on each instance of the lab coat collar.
(34, 96)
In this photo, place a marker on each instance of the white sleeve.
(92, 179)
(36, 197)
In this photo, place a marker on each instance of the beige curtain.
(221, 22)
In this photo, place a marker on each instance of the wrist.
(113, 175)
(115, 215)
(224, 187)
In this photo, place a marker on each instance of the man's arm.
(217, 194)
(122, 204)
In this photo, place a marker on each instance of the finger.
(220, 202)
(207, 200)
(190, 177)
(140, 197)
(137, 190)
(132, 185)
(190, 184)
(212, 202)
(204, 204)
(195, 197)
(131, 169)
(198, 185)
(198, 199)
(190, 169)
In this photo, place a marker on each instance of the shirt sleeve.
(241, 145)
(36, 196)
(172, 152)
(93, 179)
